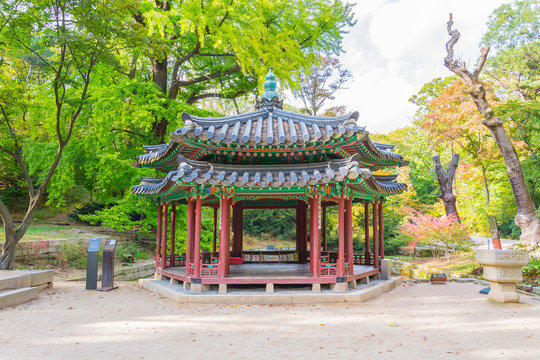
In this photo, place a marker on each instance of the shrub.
(441, 232)
(87, 209)
(131, 248)
(73, 254)
(531, 272)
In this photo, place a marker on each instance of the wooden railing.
(270, 256)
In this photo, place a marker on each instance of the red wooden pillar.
(189, 234)
(224, 236)
(197, 239)
(238, 229)
(301, 231)
(173, 234)
(227, 225)
(375, 237)
(381, 231)
(315, 236)
(158, 235)
(341, 238)
(214, 238)
(325, 245)
(165, 216)
(367, 252)
(349, 234)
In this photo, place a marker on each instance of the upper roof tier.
(272, 127)
(270, 135)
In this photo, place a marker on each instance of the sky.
(397, 46)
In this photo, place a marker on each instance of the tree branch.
(175, 86)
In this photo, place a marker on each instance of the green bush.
(531, 272)
(73, 254)
(393, 245)
(87, 209)
(131, 248)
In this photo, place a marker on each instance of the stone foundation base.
(503, 292)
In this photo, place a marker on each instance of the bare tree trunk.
(446, 181)
(8, 250)
(486, 188)
(526, 217)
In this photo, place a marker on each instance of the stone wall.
(130, 272)
(41, 249)
(135, 272)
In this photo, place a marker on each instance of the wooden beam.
(164, 225)
(341, 238)
(315, 237)
(197, 238)
(214, 232)
(189, 233)
(223, 238)
(367, 252)
(323, 231)
(381, 231)
(173, 234)
(158, 236)
(375, 237)
(349, 233)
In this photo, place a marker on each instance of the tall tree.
(526, 217)
(51, 48)
(203, 49)
(321, 82)
(446, 184)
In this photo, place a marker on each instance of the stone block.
(15, 282)
(222, 289)
(17, 296)
(199, 288)
(503, 274)
(503, 292)
(316, 288)
(270, 288)
(42, 277)
(503, 258)
(386, 268)
(352, 284)
(339, 287)
(186, 286)
(364, 280)
(303, 299)
(174, 281)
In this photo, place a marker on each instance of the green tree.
(202, 49)
(50, 51)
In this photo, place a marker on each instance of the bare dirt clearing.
(450, 321)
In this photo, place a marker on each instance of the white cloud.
(397, 46)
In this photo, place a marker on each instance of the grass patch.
(47, 232)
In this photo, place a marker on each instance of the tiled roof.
(191, 172)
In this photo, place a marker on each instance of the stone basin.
(503, 269)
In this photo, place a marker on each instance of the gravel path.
(414, 321)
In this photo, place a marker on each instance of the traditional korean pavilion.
(269, 158)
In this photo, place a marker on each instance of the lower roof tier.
(335, 177)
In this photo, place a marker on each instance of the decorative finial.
(270, 97)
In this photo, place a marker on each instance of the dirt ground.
(422, 321)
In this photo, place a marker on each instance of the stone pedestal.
(503, 269)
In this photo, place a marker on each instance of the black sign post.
(92, 264)
(107, 272)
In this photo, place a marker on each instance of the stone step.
(18, 296)
(24, 279)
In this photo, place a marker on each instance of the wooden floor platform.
(270, 273)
